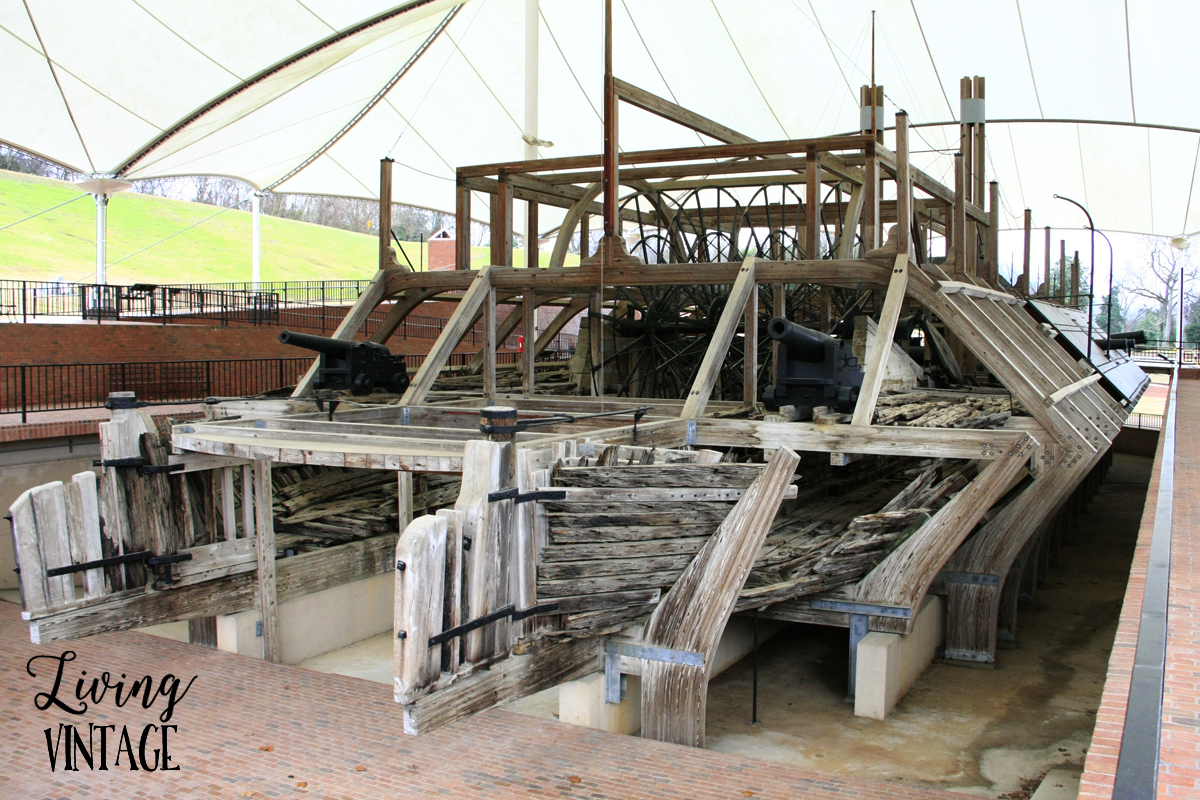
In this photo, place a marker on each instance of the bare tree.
(1158, 281)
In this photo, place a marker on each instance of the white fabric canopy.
(1084, 98)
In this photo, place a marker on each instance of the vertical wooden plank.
(489, 343)
(419, 598)
(779, 309)
(812, 205)
(524, 562)
(960, 232)
(50, 515)
(404, 498)
(903, 187)
(452, 606)
(265, 526)
(84, 491)
(966, 137)
(585, 236)
(247, 501)
(482, 468)
(528, 348)
(825, 302)
(202, 631)
(877, 359)
(871, 226)
(979, 148)
(744, 288)
(596, 342)
(993, 237)
(462, 225)
(1024, 286)
(750, 348)
(35, 594)
(386, 258)
(228, 508)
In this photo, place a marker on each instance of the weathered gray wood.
(248, 529)
(724, 476)
(404, 499)
(693, 614)
(517, 676)
(710, 368)
(50, 514)
(83, 516)
(420, 595)
(864, 409)
(571, 570)
(579, 604)
(136, 608)
(202, 631)
(35, 594)
(458, 324)
(228, 508)
(452, 606)
(264, 524)
(635, 548)
(482, 473)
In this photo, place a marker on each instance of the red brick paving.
(1180, 752)
(321, 728)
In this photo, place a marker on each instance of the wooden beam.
(489, 343)
(386, 258)
(904, 576)
(875, 439)
(812, 207)
(296, 576)
(693, 614)
(349, 325)
(1023, 287)
(958, 231)
(1065, 392)
(871, 225)
(462, 223)
(864, 409)
(677, 113)
(595, 345)
(853, 215)
(265, 548)
(750, 350)
(458, 324)
(903, 187)
(744, 287)
(992, 275)
(549, 663)
(419, 601)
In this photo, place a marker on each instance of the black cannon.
(1122, 341)
(818, 370)
(358, 367)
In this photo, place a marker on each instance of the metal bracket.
(859, 628)
(976, 578)
(487, 619)
(691, 432)
(112, 561)
(158, 469)
(614, 649)
(966, 655)
(518, 498)
(862, 608)
(333, 404)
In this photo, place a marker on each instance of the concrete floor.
(973, 730)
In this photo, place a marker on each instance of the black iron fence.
(1153, 422)
(30, 388)
(1168, 351)
(317, 306)
(59, 387)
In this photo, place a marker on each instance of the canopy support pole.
(254, 238)
(101, 236)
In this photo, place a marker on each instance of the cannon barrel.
(321, 344)
(1122, 341)
(803, 344)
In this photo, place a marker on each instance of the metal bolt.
(400, 566)
(401, 634)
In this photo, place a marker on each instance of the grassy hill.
(62, 242)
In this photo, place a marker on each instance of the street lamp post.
(1108, 321)
(1092, 279)
(1180, 243)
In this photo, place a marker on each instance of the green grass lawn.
(63, 242)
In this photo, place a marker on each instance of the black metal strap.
(515, 495)
(136, 461)
(112, 561)
(517, 426)
(157, 469)
(487, 619)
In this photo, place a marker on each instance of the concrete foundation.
(889, 664)
(316, 623)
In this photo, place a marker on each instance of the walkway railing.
(31, 388)
(1152, 422)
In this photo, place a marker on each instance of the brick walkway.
(336, 737)
(1179, 772)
